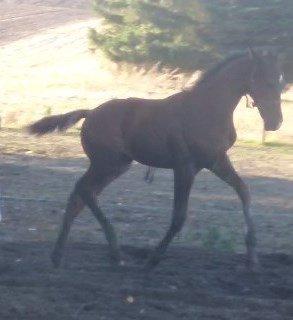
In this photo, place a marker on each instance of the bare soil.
(19, 18)
(197, 279)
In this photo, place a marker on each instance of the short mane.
(206, 76)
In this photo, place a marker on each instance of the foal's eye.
(271, 83)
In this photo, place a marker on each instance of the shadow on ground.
(192, 282)
(189, 283)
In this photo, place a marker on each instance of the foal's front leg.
(183, 179)
(225, 171)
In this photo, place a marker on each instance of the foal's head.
(266, 84)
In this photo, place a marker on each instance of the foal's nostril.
(279, 124)
(273, 126)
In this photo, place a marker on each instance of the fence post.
(263, 136)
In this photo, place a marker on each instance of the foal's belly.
(153, 153)
(158, 162)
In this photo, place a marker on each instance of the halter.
(281, 80)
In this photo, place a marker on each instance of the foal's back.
(136, 128)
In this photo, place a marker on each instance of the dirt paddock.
(203, 274)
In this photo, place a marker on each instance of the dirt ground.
(203, 275)
(19, 19)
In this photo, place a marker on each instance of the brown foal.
(186, 132)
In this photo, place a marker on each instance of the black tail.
(58, 122)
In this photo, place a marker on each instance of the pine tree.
(191, 34)
(151, 31)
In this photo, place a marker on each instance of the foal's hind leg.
(98, 178)
(73, 208)
(225, 171)
(85, 191)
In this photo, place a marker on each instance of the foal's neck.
(226, 87)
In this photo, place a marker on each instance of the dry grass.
(54, 72)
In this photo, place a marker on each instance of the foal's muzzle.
(269, 126)
(273, 121)
(272, 116)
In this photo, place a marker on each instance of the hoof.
(253, 265)
(56, 260)
(149, 179)
(254, 268)
(116, 258)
